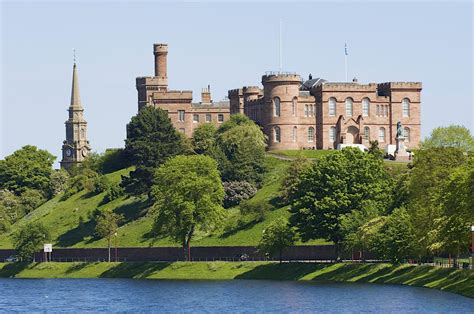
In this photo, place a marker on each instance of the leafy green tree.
(151, 140)
(58, 182)
(107, 224)
(336, 185)
(204, 139)
(27, 168)
(10, 206)
(188, 197)
(398, 238)
(243, 145)
(375, 150)
(30, 239)
(455, 136)
(430, 173)
(289, 186)
(30, 199)
(278, 236)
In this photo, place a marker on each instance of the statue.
(399, 130)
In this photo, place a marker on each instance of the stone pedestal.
(400, 153)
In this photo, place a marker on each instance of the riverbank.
(446, 279)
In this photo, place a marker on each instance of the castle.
(295, 114)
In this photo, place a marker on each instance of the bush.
(237, 191)
(29, 239)
(58, 183)
(83, 179)
(31, 199)
(113, 192)
(99, 184)
(257, 211)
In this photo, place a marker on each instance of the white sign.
(48, 248)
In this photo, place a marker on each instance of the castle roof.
(311, 83)
(212, 105)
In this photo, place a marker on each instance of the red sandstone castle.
(295, 114)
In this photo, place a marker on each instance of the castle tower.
(161, 62)
(76, 146)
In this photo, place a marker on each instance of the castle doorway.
(352, 135)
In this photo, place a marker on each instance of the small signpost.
(48, 248)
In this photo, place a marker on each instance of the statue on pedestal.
(400, 152)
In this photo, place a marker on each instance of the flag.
(345, 49)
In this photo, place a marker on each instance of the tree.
(30, 239)
(107, 224)
(455, 136)
(188, 197)
(58, 182)
(289, 186)
(28, 167)
(30, 199)
(336, 185)
(375, 150)
(242, 144)
(204, 139)
(151, 140)
(276, 237)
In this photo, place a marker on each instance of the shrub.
(257, 211)
(113, 192)
(31, 199)
(237, 191)
(58, 183)
(99, 184)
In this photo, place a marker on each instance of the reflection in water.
(124, 295)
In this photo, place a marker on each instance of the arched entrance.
(352, 135)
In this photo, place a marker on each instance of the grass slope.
(446, 279)
(70, 221)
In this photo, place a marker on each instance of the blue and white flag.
(345, 49)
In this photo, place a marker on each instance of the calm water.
(122, 295)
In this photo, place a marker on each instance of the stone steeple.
(76, 146)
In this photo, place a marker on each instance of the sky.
(226, 45)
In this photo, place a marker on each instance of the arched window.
(276, 107)
(366, 133)
(311, 134)
(365, 107)
(349, 107)
(277, 134)
(294, 135)
(332, 106)
(332, 134)
(382, 135)
(406, 107)
(406, 134)
(294, 106)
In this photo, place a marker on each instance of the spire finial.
(75, 98)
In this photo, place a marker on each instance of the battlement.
(234, 92)
(160, 48)
(400, 85)
(251, 90)
(151, 80)
(173, 94)
(289, 77)
(346, 86)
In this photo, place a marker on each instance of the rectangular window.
(208, 117)
(195, 118)
(220, 117)
(181, 115)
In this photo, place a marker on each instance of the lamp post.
(116, 258)
(472, 247)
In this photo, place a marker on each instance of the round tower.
(251, 93)
(280, 90)
(161, 54)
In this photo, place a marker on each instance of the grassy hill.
(70, 221)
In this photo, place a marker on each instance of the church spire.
(75, 97)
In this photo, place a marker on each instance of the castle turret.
(281, 91)
(161, 55)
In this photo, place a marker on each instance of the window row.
(294, 134)
(196, 117)
(406, 134)
(309, 110)
(381, 110)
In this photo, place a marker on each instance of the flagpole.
(345, 60)
(280, 47)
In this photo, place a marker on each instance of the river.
(126, 295)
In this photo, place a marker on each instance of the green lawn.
(447, 279)
(63, 218)
(308, 153)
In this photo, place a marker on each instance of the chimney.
(161, 54)
(206, 95)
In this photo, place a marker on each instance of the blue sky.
(226, 45)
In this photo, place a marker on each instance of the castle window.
(311, 134)
(332, 134)
(295, 133)
(378, 111)
(406, 107)
(276, 107)
(294, 106)
(277, 134)
(220, 117)
(332, 106)
(349, 107)
(208, 117)
(312, 110)
(195, 118)
(181, 115)
(385, 113)
(406, 134)
(306, 110)
(365, 107)
(366, 133)
(382, 135)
